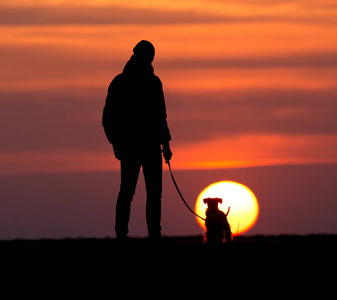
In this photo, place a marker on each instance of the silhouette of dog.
(217, 226)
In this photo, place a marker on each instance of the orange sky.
(246, 82)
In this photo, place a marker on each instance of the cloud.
(290, 112)
(257, 149)
(326, 59)
(301, 4)
(71, 119)
(56, 62)
(105, 15)
(52, 120)
(59, 15)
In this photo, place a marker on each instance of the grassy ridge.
(195, 243)
(175, 260)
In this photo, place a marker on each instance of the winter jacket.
(134, 114)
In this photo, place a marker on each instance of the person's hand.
(167, 154)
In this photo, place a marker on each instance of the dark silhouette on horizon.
(134, 121)
(216, 222)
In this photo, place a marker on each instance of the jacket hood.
(138, 66)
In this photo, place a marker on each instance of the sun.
(244, 208)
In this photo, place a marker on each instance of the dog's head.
(212, 203)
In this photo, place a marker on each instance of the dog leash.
(181, 196)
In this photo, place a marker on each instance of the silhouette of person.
(134, 121)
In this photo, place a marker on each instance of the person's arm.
(165, 132)
(111, 110)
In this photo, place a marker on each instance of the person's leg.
(129, 176)
(152, 169)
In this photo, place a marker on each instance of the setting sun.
(244, 207)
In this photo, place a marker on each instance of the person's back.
(135, 112)
(134, 120)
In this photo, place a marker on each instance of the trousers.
(151, 163)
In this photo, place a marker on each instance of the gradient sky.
(248, 83)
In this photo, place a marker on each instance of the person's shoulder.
(117, 80)
(157, 80)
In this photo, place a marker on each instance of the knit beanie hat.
(144, 50)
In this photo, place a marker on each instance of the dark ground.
(178, 248)
(178, 266)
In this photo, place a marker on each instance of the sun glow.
(244, 207)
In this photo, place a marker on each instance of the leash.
(181, 196)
